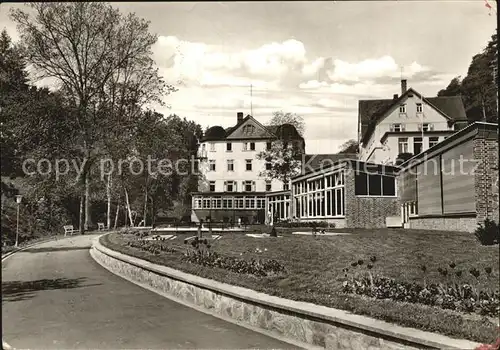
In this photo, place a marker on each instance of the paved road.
(55, 296)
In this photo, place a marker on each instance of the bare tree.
(102, 61)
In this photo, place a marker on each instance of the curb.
(161, 278)
(6, 255)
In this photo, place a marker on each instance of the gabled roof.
(243, 121)
(285, 131)
(371, 111)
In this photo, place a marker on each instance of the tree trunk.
(108, 194)
(128, 208)
(484, 110)
(117, 213)
(88, 220)
(125, 216)
(145, 203)
(153, 213)
(82, 213)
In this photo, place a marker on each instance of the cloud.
(199, 63)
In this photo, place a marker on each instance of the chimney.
(403, 86)
(240, 116)
(395, 96)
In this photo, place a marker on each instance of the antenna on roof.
(401, 72)
(251, 97)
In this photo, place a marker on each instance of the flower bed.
(198, 252)
(451, 294)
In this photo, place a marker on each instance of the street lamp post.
(18, 201)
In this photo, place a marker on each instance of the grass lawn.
(314, 270)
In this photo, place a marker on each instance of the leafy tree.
(351, 146)
(478, 89)
(14, 88)
(285, 155)
(454, 88)
(280, 118)
(102, 62)
(284, 159)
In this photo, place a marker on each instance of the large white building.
(409, 123)
(231, 187)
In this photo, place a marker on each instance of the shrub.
(312, 224)
(488, 233)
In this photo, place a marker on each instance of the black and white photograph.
(250, 175)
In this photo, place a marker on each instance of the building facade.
(453, 185)
(409, 123)
(349, 194)
(232, 188)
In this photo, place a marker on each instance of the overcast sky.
(316, 59)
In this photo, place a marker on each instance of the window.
(374, 184)
(248, 164)
(211, 165)
(417, 145)
(268, 145)
(397, 127)
(203, 147)
(419, 108)
(426, 127)
(268, 185)
(285, 187)
(361, 183)
(403, 145)
(388, 185)
(249, 146)
(227, 203)
(248, 129)
(433, 141)
(230, 186)
(248, 186)
(212, 186)
(402, 108)
(230, 165)
(268, 166)
(229, 147)
(212, 147)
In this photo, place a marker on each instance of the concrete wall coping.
(367, 324)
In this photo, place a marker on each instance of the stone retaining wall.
(306, 323)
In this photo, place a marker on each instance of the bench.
(69, 230)
(100, 226)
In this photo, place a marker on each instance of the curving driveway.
(55, 296)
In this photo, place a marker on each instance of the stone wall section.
(303, 327)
